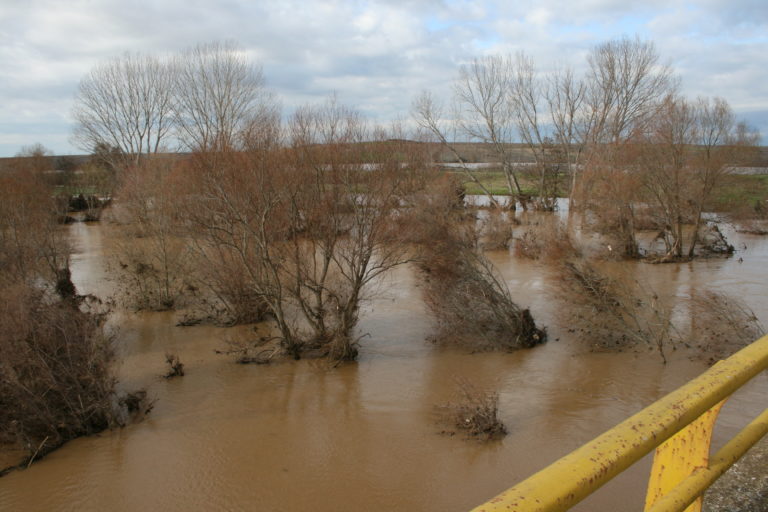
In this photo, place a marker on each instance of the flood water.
(298, 435)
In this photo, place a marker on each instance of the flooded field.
(298, 435)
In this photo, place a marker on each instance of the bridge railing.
(679, 427)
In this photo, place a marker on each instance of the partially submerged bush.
(721, 325)
(175, 366)
(151, 273)
(56, 380)
(474, 411)
(259, 351)
(496, 230)
(548, 240)
(472, 307)
(614, 311)
(469, 301)
(56, 360)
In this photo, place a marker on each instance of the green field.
(736, 191)
(740, 191)
(496, 183)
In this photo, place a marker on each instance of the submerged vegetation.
(473, 411)
(56, 356)
(467, 297)
(293, 224)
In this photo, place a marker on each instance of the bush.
(721, 325)
(614, 311)
(496, 230)
(548, 240)
(474, 412)
(56, 380)
(175, 366)
(469, 301)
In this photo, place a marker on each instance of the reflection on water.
(298, 436)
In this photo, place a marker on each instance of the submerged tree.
(151, 258)
(614, 311)
(685, 152)
(626, 87)
(306, 226)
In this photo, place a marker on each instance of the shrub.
(175, 366)
(56, 380)
(614, 311)
(474, 412)
(469, 301)
(721, 325)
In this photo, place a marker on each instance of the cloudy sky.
(376, 55)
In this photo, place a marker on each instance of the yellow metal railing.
(679, 426)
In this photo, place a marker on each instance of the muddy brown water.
(297, 435)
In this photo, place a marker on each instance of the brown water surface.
(297, 435)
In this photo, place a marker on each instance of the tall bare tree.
(125, 103)
(219, 92)
(626, 85)
(301, 228)
(347, 212)
(486, 110)
(429, 114)
(501, 99)
(530, 97)
(565, 99)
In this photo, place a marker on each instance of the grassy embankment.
(735, 192)
(740, 191)
(496, 183)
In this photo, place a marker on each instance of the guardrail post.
(681, 455)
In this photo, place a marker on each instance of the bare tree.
(626, 85)
(486, 110)
(528, 94)
(500, 99)
(150, 261)
(724, 142)
(31, 243)
(429, 115)
(125, 103)
(564, 95)
(218, 93)
(35, 158)
(347, 213)
(686, 150)
(306, 227)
